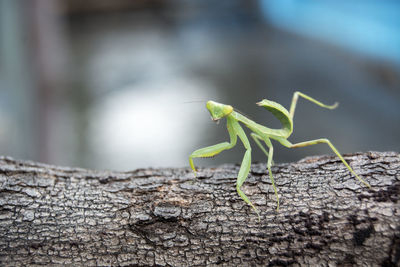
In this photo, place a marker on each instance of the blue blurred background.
(122, 84)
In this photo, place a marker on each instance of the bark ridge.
(57, 216)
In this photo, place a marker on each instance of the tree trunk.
(63, 216)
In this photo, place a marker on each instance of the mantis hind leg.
(326, 141)
(269, 154)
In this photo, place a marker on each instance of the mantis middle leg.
(295, 98)
(257, 139)
(267, 141)
(326, 141)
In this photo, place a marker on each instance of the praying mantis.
(260, 134)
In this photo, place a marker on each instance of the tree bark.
(53, 215)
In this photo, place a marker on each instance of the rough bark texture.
(62, 216)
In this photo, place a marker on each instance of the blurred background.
(122, 84)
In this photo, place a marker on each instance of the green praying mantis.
(260, 134)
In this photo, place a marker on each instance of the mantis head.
(218, 110)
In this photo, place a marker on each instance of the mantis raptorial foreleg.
(211, 151)
(208, 152)
(234, 130)
(243, 172)
(245, 166)
(326, 141)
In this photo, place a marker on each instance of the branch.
(66, 216)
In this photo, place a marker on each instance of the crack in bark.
(57, 216)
